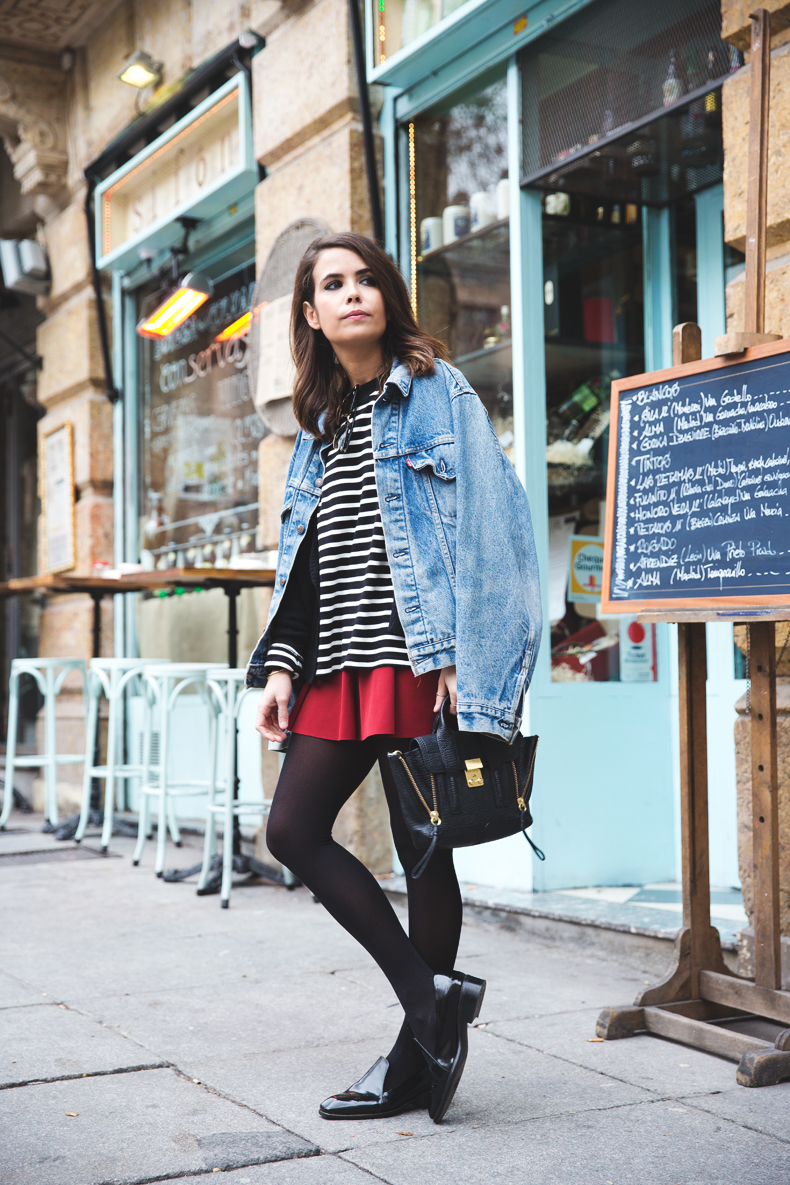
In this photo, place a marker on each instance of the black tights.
(317, 778)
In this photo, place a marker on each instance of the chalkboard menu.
(698, 493)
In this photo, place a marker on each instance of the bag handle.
(446, 738)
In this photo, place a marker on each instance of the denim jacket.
(459, 541)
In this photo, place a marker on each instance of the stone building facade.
(61, 104)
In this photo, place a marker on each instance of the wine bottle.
(579, 405)
(673, 87)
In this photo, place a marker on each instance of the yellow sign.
(193, 168)
(586, 568)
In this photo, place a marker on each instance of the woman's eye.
(332, 285)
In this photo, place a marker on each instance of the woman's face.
(347, 305)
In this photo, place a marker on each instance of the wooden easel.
(693, 1002)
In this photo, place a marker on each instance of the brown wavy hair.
(321, 382)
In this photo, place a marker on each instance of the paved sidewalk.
(146, 1034)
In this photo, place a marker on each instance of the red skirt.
(351, 705)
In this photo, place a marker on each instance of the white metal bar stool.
(49, 675)
(111, 677)
(226, 686)
(166, 681)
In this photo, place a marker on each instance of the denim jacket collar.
(401, 377)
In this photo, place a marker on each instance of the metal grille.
(611, 66)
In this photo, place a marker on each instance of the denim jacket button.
(282, 581)
(319, 481)
(300, 529)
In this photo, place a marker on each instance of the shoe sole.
(472, 992)
(422, 1102)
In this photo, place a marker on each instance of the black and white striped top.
(357, 601)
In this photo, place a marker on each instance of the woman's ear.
(310, 315)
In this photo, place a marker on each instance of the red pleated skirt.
(352, 705)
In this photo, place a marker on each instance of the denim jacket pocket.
(434, 472)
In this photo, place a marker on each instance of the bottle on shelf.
(672, 88)
(579, 405)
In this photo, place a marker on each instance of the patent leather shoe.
(458, 1001)
(367, 1098)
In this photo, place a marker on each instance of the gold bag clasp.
(474, 776)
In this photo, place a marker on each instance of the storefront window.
(460, 240)
(199, 437)
(398, 22)
(594, 332)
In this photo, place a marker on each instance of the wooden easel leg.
(697, 945)
(765, 805)
(615, 1023)
(763, 1068)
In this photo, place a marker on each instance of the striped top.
(357, 601)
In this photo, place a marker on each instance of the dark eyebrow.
(363, 271)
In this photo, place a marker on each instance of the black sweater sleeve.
(296, 619)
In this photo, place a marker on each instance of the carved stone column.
(33, 124)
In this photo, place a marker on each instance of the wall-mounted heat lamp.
(241, 326)
(140, 70)
(175, 305)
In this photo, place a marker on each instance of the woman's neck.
(361, 367)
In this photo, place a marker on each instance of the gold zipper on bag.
(522, 806)
(434, 814)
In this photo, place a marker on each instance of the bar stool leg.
(94, 691)
(164, 746)
(142, 824)
(50, 749)
(210, 841)
(148, 728)
(172, 822)
(230, 792)
(10, 752)
(109, 784)
(144, 809)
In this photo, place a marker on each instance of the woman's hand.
(447, 686)
(271, 716)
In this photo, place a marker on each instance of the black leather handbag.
(459, 789)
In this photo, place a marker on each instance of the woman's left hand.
(447, 686)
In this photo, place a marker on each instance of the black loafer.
(367, 1098)
(458, 1003)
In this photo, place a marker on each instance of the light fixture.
(175, 306)
(140, 70)
(241, 326)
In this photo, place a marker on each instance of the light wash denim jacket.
(459, 540)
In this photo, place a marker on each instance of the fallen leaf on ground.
(72, 1114)
(405, 1133)
(595, 1040)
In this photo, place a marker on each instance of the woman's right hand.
(271, 716)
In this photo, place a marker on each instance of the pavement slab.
(44, 1043)
(315, 1170)
(14, 993)
(126, 1128)
(502, 1084)
(661, 1143)
(660, 1066)
(191, 1023)
(766, 1109)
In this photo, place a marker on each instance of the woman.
(406, 573)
